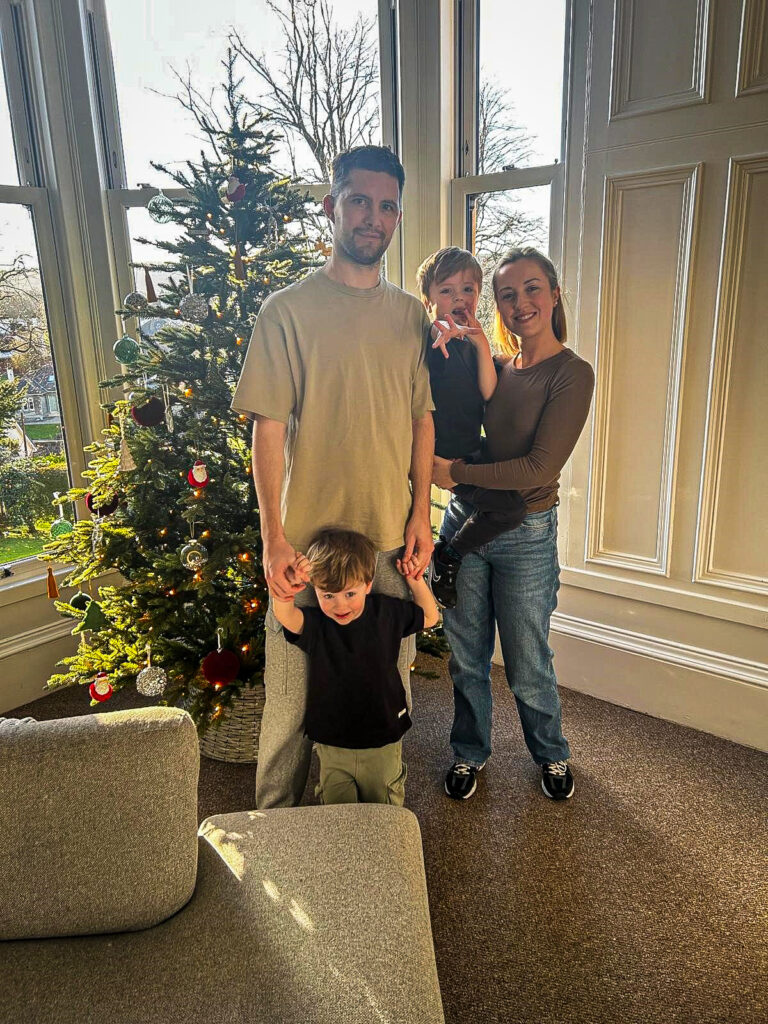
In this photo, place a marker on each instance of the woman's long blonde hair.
(504, 340)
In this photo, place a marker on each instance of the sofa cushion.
(313, 914)
(98, 822)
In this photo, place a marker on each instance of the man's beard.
(363, 258)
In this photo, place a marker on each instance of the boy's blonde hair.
(339, 558)
(445, 263)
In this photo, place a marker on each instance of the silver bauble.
(135, 302)
(194, 308)
(151, 681)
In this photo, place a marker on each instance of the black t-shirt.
(459, 405)
(355, 695)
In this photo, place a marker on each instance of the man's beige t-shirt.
(345, 369)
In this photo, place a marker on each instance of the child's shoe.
(445, 568)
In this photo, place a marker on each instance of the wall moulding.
(744, 214)
(625, 29)
(617, 245)
(752, 75)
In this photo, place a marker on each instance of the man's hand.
(419, 545)
(280, 571)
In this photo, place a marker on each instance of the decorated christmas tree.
(170, 503)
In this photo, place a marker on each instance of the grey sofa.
(115, 909)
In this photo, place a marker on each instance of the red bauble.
(101, 688)
(150, 415)
(101, 510)
(198, 475)
(221, 667)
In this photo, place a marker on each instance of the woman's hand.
(444, 330)
(441, 473)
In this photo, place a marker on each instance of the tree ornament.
(194, 308)
(149, 287)
(193, 555)
(60, 527)
(126, 350)
(168, 409)
(273, 229)
(160, 209)
(135, 302)
(149, 415)
(198, 475)
(80, 600)
(93, 621)
(101, 688)
(152, 680)
(235, 189)
(220, 667)
(97, 535)
(52, 587)
(106, 509)
(127, 461)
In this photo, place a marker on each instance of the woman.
(532, 423)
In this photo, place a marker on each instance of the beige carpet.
(643, 900)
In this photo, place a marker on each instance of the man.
(336, 379)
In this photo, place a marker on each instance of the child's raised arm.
(444, 330)
(422, 595)
(286, 612)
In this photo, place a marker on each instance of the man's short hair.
(339, 558)
(445, 263)
(366, 158)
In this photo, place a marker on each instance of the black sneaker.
(557, 781)
(460, 782)
(444, 573)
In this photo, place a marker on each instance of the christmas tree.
(171, 505)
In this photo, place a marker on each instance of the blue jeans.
(513, 581)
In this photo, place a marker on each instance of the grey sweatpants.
(284, 750)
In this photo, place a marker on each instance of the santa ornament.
(198, 475)
(235, 189)
(101, 688)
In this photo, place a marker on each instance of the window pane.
(498, 221)
(33, 461)
(9, 174)
(157, 54)
(521, 83)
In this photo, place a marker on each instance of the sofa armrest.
(98, 821)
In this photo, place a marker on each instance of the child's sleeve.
(411, 618)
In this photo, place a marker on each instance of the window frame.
(466, 182)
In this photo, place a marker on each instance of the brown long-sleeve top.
(532, 424)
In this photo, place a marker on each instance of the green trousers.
(373, 775)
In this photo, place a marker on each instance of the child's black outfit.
(356, 702)
(458, 415)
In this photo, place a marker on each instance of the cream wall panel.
(659, 55)
(753, 50)
(647, 250)
(733, 549)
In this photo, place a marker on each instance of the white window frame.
(21, 58)
(467, 183)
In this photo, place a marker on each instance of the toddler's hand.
(448, 328)
(408, 567)
(301, 567)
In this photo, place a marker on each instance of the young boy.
(356, 708)
(463, 378)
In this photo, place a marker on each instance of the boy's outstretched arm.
(288, 615)
(422, 595)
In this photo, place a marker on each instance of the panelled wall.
(665, 600)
